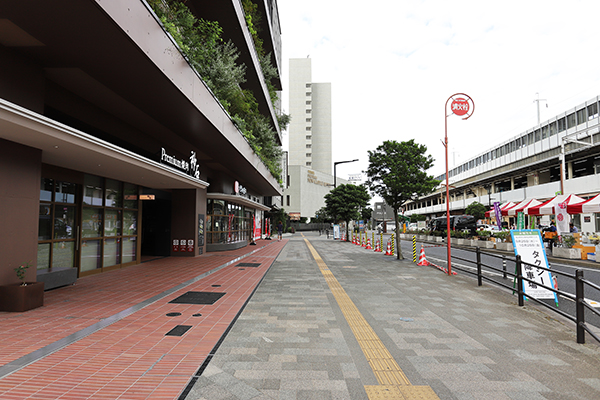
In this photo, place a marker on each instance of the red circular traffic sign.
(460, 106)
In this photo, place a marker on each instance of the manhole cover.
(216, 285)
(173, 314)
(198, 298)
(196, 315)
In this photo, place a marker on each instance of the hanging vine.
(216, 61)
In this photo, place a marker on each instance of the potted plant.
(19, 297)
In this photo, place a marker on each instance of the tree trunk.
(398, 248)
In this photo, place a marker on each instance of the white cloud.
(393, 65)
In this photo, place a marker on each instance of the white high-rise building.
(310, 142)
(310, 127)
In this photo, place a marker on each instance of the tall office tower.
(310, 127)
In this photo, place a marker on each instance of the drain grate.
(198, 298)
(179, 330)
(252, 265)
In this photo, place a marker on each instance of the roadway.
(437, 254)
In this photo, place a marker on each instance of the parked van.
(457, 222)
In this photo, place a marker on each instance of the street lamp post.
(334, 170)
(461, 105)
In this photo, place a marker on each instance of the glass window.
(46, 189)
(561, 124)
(63, 254)
(218, 207)
(91, 225)
(552, 128)
(592, 111)
(544, 132)
(130, 223)
(571, 121)
(112, 222)
(131, 196)
(112, 252)
(43, 256)
(64, 222)
(129, 249)
(538, 135)
(581, 116)
(65, 192)
(91, 253)
(45, 222)
(113, 194)
(92, 190)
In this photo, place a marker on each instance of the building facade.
(528, 166)
(310, 128)
(112, 147)
(310, 142)
(306, 192)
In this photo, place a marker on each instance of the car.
(490, 228)
(390, 226)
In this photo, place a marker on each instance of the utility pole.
(538, 106)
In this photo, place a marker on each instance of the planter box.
(486, 244)
(565, 252)
(506, 246)
(438, 239)
(430, 238)
(17, 298)
(459, 242)
(471, 242)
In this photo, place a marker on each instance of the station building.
(113, 150)
(528, 166)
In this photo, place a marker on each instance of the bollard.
(504, 267)
(479, 277)
(579, 307)
(414, 242)
(520, 282)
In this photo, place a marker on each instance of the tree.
(476, 209)
(346, 201)
(322, 216)
(417, 218)
(397, 173)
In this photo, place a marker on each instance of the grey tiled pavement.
(466, 342)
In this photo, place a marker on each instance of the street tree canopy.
(398, 173)
(476, 209)
(345, 202)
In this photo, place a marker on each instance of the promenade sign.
(529, 245)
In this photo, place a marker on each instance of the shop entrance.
(156, 224)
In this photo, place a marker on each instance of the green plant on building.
(216, 61)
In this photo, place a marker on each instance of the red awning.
(491, 212)
(521, 207)
(547, 208)
(586, 206)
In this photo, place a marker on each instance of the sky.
(393, 64)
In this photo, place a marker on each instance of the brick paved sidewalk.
(105, 337)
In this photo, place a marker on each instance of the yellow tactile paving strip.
(393, 383)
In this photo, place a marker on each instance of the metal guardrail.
(580, 285)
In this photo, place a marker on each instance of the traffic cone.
(422, 259)
(378, 247)
(369, 245)
(388, 251)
